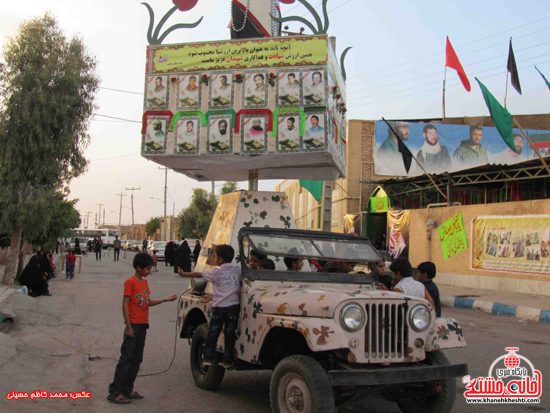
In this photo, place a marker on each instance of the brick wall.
(456, 270)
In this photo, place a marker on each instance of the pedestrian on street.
(155, 261)
(197, 251)
(144, 244)
(70, 264)
(182, 257)
(77, 246)
(135, 310)
(117, 244)
(34, 278)
(169, 254)
(57, 247)
(98, 245)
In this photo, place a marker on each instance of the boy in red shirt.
(135, 309)
(70, 264)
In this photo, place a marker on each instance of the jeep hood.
(310, 300)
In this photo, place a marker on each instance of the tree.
(152, 225)
(47, 89)
(195, 220)
(229, 187)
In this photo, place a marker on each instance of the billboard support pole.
(443, 104)
(533, 146)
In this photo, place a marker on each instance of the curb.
(529, 313)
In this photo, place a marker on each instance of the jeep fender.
(321, 334)
(445, 333)
(192, 313)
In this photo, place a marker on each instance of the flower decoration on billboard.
(155, 37)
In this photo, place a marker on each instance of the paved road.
(50, 346)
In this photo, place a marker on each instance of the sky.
(395, 70)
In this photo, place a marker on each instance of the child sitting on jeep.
(226, 285)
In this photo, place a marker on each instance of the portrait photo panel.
(255, 90)
(221, 91)
(288, 88)
(157, 93)
(288, 133)
(189, 92)
(254, 134)
(220, 135)
(187, 136)
(314, 84)
(315, 136)
(155, 138)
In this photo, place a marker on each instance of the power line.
(439, 88)
(462, 45)
(122, 91)
(114, 157)
(439, 62)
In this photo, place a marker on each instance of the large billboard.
(448, 148)
(515, 244)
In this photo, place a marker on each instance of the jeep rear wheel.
(443, 394)
(299, 385)
(206, 377)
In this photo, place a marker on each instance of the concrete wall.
(456, 270)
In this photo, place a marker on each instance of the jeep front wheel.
(299, 385)
(206, 377)
(443, 392)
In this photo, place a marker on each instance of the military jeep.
(328, 336)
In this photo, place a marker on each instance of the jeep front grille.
(386, 334)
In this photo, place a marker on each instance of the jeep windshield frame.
(306, 245)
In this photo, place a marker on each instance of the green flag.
(315, 188)
(547, 82)
(500, 116)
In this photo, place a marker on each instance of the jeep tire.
(441, 402)
(299, 384)
(207, 378)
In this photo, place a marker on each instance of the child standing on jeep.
(226, 284)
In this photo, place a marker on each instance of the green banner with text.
(452, 236)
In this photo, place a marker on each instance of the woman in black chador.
(34, 278)
(183, 257)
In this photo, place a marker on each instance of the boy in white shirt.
(226, 283)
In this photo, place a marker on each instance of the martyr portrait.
(157, 92)
(314, 136)
(255, 90)
(189, 92)
(155, 134)
(221, 95)
(254, 138)
(220, 139)
(313, 84)
(288, 133)
(288, 89)
(187, 136)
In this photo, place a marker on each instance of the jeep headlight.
(420, 318)
(352, 317)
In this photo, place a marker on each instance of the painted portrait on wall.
(314, 84)
(255, 90)
(288, 88)
(155, 138)
(315, 132)
(221, 91)
(220, 135)
(189, 92)
(254, 134)
(187, 136)
(288, 133)
(156, 93)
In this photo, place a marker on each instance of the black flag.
(401, 147)
(513, 69)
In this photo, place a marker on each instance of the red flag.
(454, 63)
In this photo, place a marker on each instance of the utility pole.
(99, 224)
(120, 214)
(165, 191)
(132, 198)
(103, 216)
(213, 187)
(172, 226)
(88, 220)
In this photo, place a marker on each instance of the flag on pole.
(513, 69)
(547, 82)
(315, 188)
(453, 62)
(501, 117)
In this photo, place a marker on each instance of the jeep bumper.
(394, 375)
